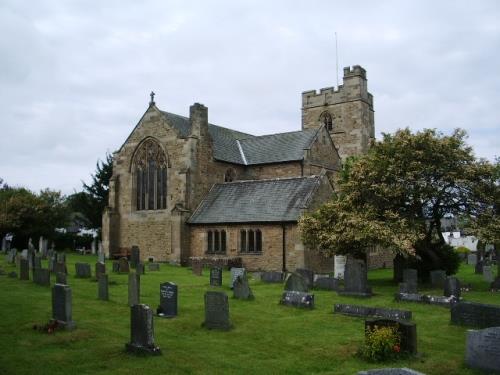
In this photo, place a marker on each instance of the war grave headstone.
(100, 269)
(327, 283)
(116, 266)
(134, 288)
(339, 266)
(308, 275)
(437, 278)
(297, 299)
(482, 349)
(487, 274)
(452, 287)
(475, 314)
(407, 331)
(168, 300)
(241, 288)
(296, 282)
(62, 306)
(82, 270)
(41, 276)
(216, 311)
(235, 272)
(197, 268)
(216, 276)
(471, 259)
(369, 311)
(390, 371)
(410, 280)
(61, 278)
(103, 287)
(142, 331)
(124, 265)
(140, 268)
(24, 271)
(272, 277)
(356, 279)
(135, 256)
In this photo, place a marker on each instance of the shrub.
(462, 250)
(381, 343)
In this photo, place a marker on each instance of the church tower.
(347, 112)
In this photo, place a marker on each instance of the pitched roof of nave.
(257, 201)
(241, 148)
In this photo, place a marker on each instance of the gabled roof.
(257, 201)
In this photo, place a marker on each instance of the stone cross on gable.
(152, 102)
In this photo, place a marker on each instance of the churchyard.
(266, 334)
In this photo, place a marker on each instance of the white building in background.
(456, 239)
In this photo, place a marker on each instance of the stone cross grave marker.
(216, 311)
(452, 287)
(437, 278)
(100, 269)
(62, 306)
(124, 266)
(406, 330)
(168, 300)
(296, 282)
(308, 276)
(235, 272)
(142, 331)
(24, 270)
(82, 270)
(216, 276)
(241, 289)
(135, 256)
(297, 299)
(134, 288)
(103, 287)
(482, 349)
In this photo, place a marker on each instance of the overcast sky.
(75, 76)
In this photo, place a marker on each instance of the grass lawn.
(266, 339)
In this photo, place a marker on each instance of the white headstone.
(339, 268)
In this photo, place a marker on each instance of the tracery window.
(326, 119)
(216, 242)
(150, 168)
(250, 241)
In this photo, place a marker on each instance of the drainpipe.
(284, 248)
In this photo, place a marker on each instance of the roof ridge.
(269, 179)
(283, 133)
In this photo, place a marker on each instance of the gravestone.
(308, 275)
(82, 270)
(116, 266)
(391, 371)
(327, 283)
(410, 278)
(134, 288)
(4, 244)
(216, 311)
(135, 256)
(51, 262)
(297, 299)
(61, 257)
(168, 300)
(93, 246)
(487, 274)
(399, 264)
(41, 276)
(475, 314)
(140, 268)
(216, 276)
(478, 269)
(472, 259)
(153, 266)
(100, 269)
(241, 289)
(235, 272)
(339, 262)
(62, 306)
(369, 311)
(103, 287)
(24, 270)
(296, 282)
(44, 250)
(272, 277)
(37, 262)
(197, 267)
(421, 298)
(452, 287)
(142, 331)
(124, 266)
(406, 330)
(356, 279)
(60, 267)
(61, 278)
(437, 278)
(101, 257)
(482, 349)
(11, 257)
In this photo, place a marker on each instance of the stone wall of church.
(278, 170)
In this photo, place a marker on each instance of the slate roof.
(257, 201)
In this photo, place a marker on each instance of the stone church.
(183, 188)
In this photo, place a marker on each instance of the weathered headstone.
(100, 269)
(82, 270)
(410, 278)
(339, 262)
(296, 282)
(308, 275)
(406, 330)
(142, 331)
(272, 277)
(421, 298)
(216, 276)
(399, 264)
(24, 270)
(369, 311)
(103, 287)
(451, 287)
(4, 244)
(61, 257)
(101, 257)
(124, 266)
(135, 256)
(391, 371)
(116, 266)
(62, 306)
(482, 349)
(437, 278)
(327, 283)
(235, 272)
(140, 268)
(11, 257)
(478, 268)
(61, 278)
(51, 262)
(153, 266)
(487, 274)
(93, 246)
(216, 311)
(168, 300)
(41, 276)
(471, 259)
(475, 314)
(297, 299)
(356, 279)
(37, 262)
(24, 254)
(60, 267)
(241, 289)
(134, 288)
(197, 267)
